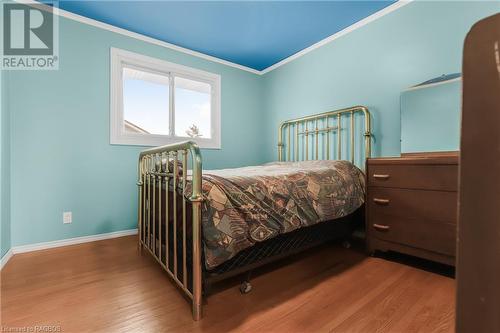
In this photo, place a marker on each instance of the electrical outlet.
(67, 217)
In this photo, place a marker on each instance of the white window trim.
(118, 58)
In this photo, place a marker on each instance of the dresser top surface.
(422, 159)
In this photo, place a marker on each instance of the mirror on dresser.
(430, 116)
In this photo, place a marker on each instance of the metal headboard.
(320, 136)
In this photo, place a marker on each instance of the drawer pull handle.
(381, 201)
(383, 177)
(381, 227)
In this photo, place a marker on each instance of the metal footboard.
(159, 220)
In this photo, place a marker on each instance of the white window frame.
(120, 59)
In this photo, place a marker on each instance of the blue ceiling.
(256, 34)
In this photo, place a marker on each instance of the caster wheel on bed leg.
(346, 244)
(245, 287)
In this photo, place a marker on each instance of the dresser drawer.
(418, 233)
(429, 177)
(435, 206)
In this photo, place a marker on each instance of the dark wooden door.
(478, 263)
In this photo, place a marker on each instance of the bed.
(203, 226)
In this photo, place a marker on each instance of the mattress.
(244, 206)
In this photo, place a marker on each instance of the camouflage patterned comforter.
(243, 206)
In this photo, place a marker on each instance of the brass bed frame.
(313, 137)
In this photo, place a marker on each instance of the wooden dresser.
(412, 206)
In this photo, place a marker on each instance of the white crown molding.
(82, 19)
(71, 241)
(389, 9)
(128, 33)
(6, 257)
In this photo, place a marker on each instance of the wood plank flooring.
(107, 286)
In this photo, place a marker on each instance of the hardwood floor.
(107, 287)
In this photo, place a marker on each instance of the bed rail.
(321, 136)
(159, 167)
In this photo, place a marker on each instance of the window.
(154, 102)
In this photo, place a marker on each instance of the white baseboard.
(71, 241)
(5, 258)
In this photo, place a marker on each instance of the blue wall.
(5, 241)
(372, 65)
(61, 156)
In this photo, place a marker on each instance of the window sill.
(159, 140)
